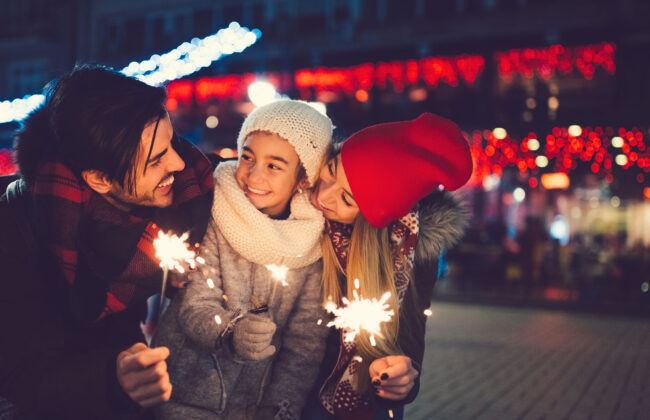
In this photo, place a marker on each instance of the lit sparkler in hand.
(360, 314)
(278, 272)
(172, 251)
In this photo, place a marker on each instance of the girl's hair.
(370, 259)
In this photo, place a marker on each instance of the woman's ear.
(97, 180)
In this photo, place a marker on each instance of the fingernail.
(376, 382)
(384, 376)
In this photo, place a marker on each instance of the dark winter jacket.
(49, 368)
(52, 364)
(442, 221)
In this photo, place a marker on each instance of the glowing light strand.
(187, 58)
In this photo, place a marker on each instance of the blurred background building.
(554, 97)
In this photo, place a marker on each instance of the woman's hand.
(393, 377)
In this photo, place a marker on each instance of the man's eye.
(245, 157)
(345, 200)
(329, 167)
(155, 163)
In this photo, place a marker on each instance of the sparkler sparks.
(172, 250)
(428, 312)
(360, 314)
(279, 272)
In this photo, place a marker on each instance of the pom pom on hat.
(392, 166)
(305, 128)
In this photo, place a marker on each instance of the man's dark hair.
(92, 118)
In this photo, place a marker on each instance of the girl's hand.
(393, 377)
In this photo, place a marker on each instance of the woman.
(387, 221)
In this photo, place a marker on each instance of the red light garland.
(556, 58)
(7, 165)
(562, 151)
(399, 74)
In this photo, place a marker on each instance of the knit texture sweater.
(209, 381)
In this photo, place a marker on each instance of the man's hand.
(142, 374)
(393, 377)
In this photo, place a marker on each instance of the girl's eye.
(272, 166)
(347, 203)
(154, 164)
(329, 167)
(245, 157)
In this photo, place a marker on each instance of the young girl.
(378, 233)
(243, 336)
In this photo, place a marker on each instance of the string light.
(546, 62)
(190, 57)
(599, 149)
(187, 58)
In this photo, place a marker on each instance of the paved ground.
(507, 363)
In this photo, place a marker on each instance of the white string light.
(187, 58)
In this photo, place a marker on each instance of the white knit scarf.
(294, 242)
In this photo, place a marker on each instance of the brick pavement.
(498, 363)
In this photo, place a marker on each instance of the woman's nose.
(326, 193)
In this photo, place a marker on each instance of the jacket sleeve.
(297, 363)
(412, 324)
(202, 315)
(50, 367)
(442, 223)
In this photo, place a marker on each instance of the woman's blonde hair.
(369, 259)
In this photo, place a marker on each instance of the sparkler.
(172, 250)
(278, 272)
(360, 314)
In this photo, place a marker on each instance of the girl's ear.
(304, 184)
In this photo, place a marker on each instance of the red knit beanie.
(392, 166)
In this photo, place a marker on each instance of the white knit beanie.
(306, 129)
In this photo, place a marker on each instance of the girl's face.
(267, 172)
(332, 194)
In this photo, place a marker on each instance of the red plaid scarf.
(106, 255)
(338, 394)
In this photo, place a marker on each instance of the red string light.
(546, 62)
(7, 165)
(562, 151)
(430, 71)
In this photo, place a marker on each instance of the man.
(102, 172)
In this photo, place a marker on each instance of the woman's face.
(332, 195)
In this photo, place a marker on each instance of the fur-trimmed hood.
(34, 142)
(443, 220)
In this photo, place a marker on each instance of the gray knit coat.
(209, 381)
